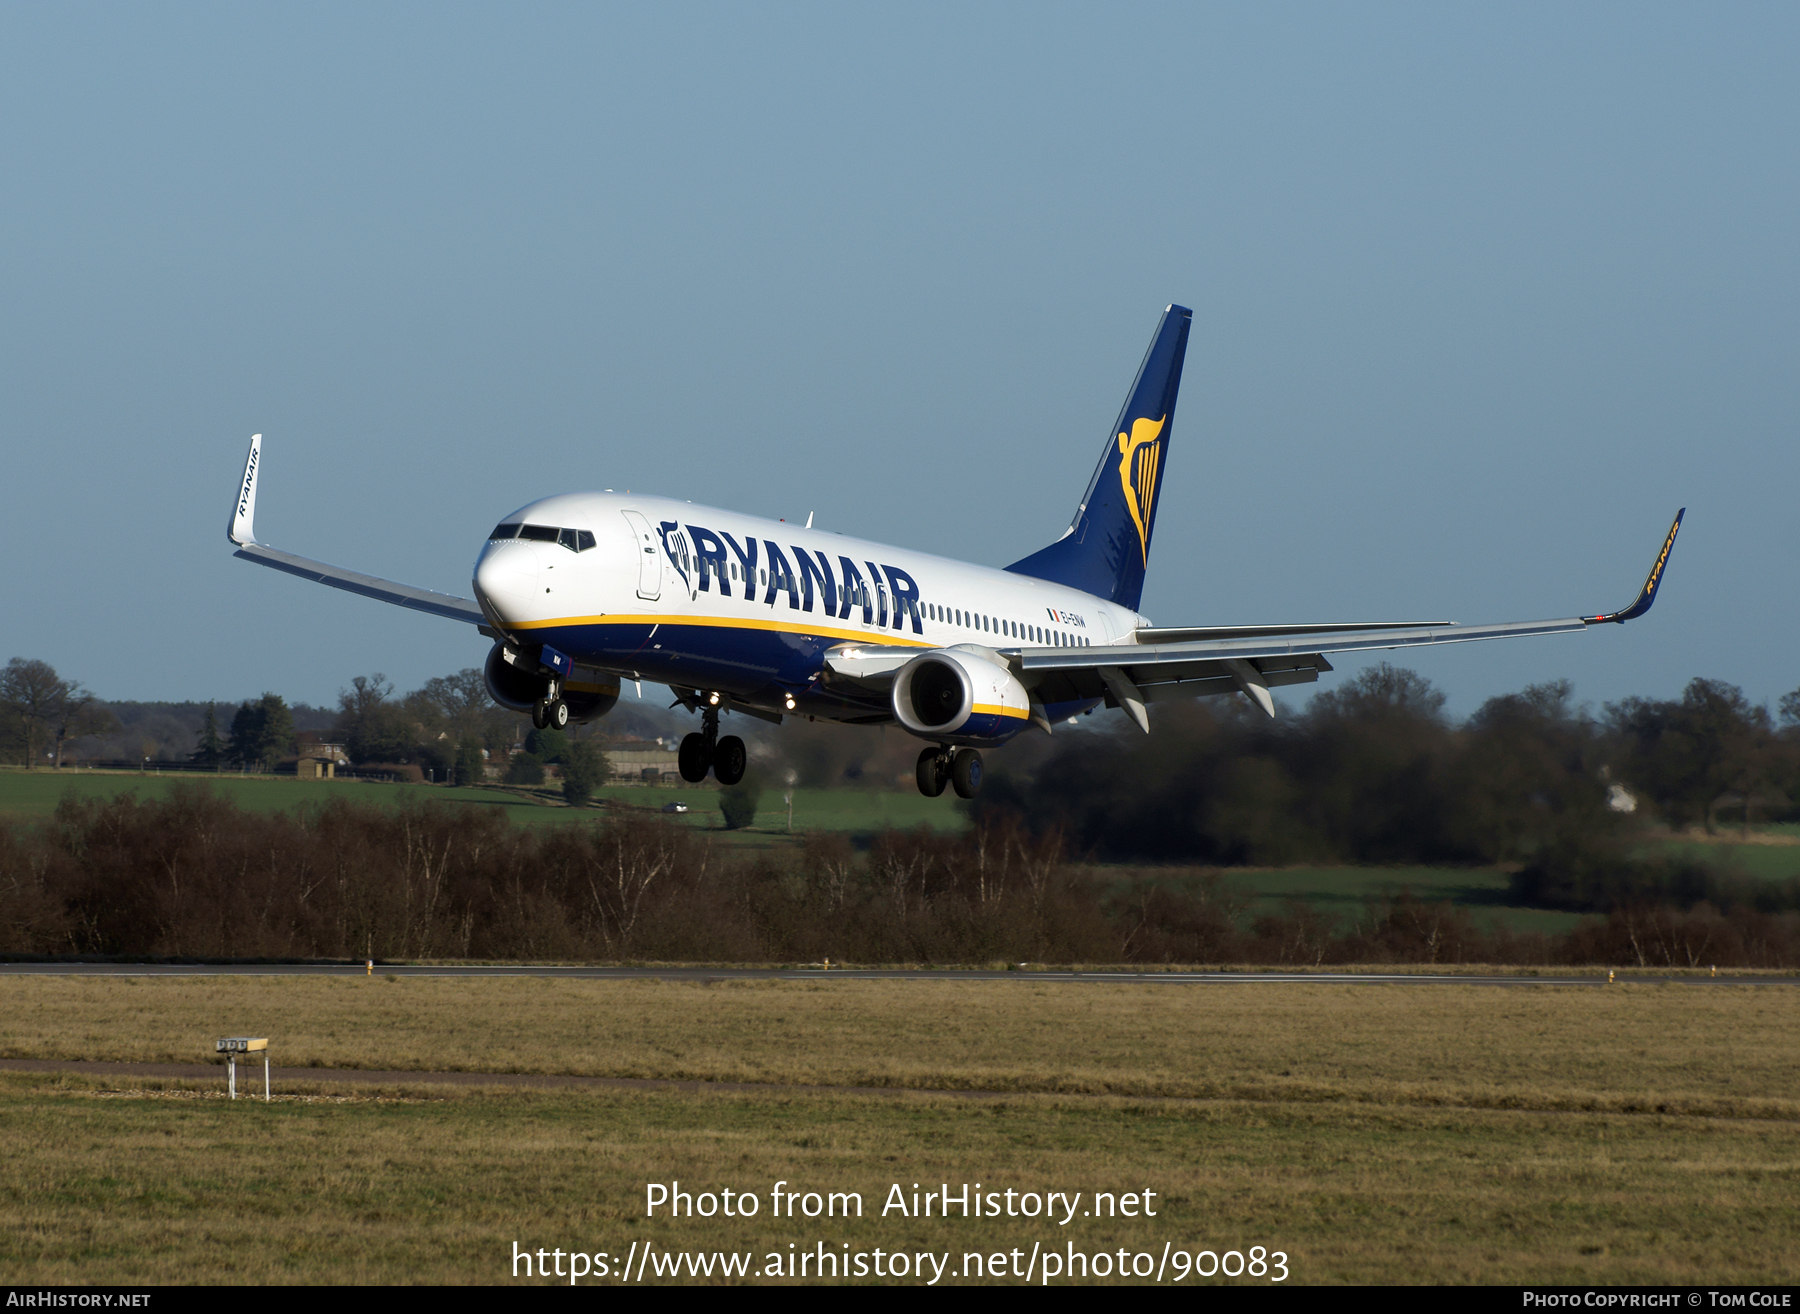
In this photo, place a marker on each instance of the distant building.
(320, 761)
(648, 761)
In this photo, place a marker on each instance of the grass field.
(1636, 1133)
(33, 795)
(1765, 861)
(1344, 893)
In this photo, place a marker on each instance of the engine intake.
(519, 689)
(511, 686)
(944, 693)
(933, 693)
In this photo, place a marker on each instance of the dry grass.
(1732, 1051)
(1377, 1134)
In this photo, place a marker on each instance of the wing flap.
(1141, 658)
(1153, 634)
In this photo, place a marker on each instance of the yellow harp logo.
(1139, 456)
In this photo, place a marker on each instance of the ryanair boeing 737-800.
(736, 614)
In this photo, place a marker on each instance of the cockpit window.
(576, 540)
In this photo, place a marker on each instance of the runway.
(1023, 975)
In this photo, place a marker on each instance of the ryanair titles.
(758, 570)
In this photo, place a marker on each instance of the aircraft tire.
(692, 758)
(537, 716)
(729, 760)
(556, 715)
(965, 772)
(931, 773)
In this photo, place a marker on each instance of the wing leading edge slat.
(447, 605)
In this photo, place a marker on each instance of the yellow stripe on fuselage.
(893, 637)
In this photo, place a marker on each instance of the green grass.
(33, 796)
(1345, 892)
(1772, 862)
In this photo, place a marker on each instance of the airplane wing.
(1255, 659)
(242, 531)
(1161, 664)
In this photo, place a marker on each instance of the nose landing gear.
(551, 712)
(704, 751)
(960, 767)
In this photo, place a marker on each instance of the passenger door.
(649, 565)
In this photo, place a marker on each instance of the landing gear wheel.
(965, 772)
(556, 715)
(729, 760)
(693, 758)
(932, 776)
(537, 716)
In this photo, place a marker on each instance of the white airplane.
(767, 619)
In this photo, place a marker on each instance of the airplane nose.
(507, 576)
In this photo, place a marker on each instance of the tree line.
(192, 875)
(1373, 772)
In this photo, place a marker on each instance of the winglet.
(1647, 594)
(242, 527)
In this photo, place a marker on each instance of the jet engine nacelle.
(520, 688)
(513, 687)
(959, 694)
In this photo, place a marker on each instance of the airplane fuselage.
(700, 598)
(771, 619)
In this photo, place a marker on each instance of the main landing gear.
(551, 712)
(704, 750)
(960, 767)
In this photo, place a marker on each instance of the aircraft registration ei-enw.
(768, 619)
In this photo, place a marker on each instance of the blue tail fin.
(1107, 547)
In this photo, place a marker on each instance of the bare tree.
(31, 696)
(78, 713)
(458, 701)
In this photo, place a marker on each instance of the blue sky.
(1481, 295)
